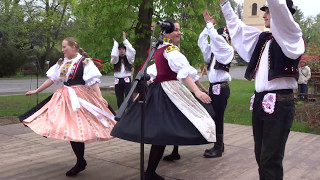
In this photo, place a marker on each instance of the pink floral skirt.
(57, 119)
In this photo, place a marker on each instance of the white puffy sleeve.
(115, 53)
(91, 73)
(152, 71)
(53, 73)
(130, 51)
(204, 45)
(222, 51)
(244, 38)
(179, 64)
(285, 30)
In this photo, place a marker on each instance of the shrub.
(11, 60)
(309, 113)
(106, 68)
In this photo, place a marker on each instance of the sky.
(308, 7)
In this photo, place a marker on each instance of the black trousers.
(122, 89)
(219, 104)
(270, 132)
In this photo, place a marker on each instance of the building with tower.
(252, 16)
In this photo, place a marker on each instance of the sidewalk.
(25, 155)
(21, 86)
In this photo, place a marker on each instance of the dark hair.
(122, 46)
(172, 20)
(224, 32)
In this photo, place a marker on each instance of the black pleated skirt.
(165, 124)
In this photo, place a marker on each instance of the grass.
(237, 111)
(19, 104)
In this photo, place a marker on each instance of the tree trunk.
(143, 33)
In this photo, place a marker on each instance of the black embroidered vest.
(76, 78)
(279, 64)
(127, 65)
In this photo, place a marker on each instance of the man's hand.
(124, 35)
(222, 1)
(207, 17)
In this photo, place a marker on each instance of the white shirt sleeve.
(244, 38)
(285, 30)
(53, 73)
(91, 74)
(130, 51)
(152, 71)
(222, 51)
(115, 53)
(204, 45)
(179, 64)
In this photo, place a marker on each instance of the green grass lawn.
(19, 104)
(237, 111)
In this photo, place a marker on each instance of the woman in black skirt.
(173, 115)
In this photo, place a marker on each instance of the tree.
(95, 23)
(12, 44)
(47, 19)
(313, 48)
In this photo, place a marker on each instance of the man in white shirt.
(218, 54)
(122, 57)
(273, 64)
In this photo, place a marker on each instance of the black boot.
(155, 156)
(173, 156)
(152, 176)
(80, 166)
(78, 149)
(217, 149)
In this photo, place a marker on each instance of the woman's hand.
(104, 101)
(203, 97)
(29, 93)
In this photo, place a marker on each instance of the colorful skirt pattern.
(73, 113)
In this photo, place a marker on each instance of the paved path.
(20, 86)
(25, 155)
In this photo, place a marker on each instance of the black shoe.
(152, 176)
(171, 157)
(213, 153)
(211, 149)
(77, 168)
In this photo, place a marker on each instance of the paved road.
(20, 86)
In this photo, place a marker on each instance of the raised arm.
(130, 51)
(285, 30)
(244, 38)
(115, 52)
(203, 38)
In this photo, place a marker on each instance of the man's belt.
(222, 84)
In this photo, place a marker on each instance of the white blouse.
(91, 73)
(285, 31)
(130, 53)
(223, 52)
(179, 64)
